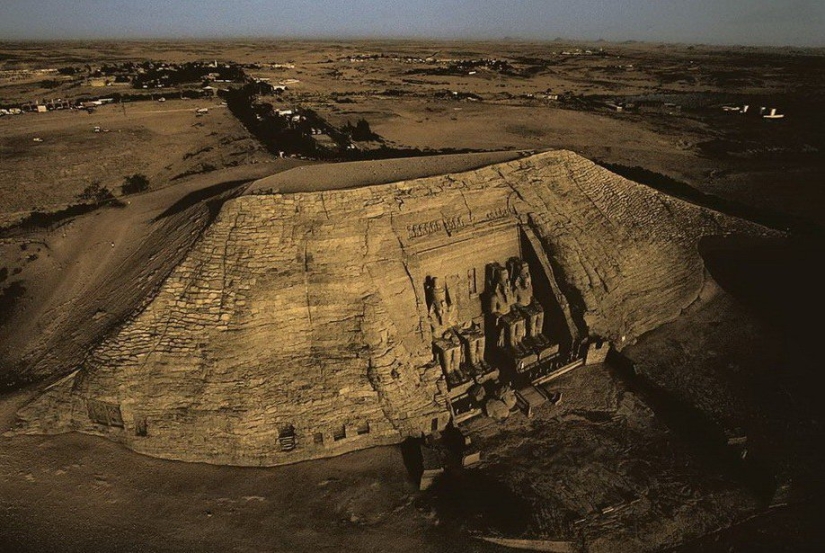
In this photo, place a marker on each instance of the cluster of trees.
(91, 198)
(134, 184)
(276, 133)
(361, 131)
(189, 72)
(283, 134)
(98, 194)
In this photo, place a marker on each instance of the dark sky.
(754, 22)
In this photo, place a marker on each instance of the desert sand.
(718, 329)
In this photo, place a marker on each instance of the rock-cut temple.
(311, 324)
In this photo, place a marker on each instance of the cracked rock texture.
(303, 314)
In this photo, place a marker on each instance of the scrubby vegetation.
(91, 198)
(133, 184)
(8, 295)
(294, 134)
(96, 194)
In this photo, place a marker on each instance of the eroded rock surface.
(297, 327)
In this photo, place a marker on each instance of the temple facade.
(500, 339)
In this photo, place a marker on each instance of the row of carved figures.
(515, 316)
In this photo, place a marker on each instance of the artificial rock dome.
(311, 324)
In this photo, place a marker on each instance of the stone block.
(496, 409)
(597, 353)
(470, 458)
(530, 399)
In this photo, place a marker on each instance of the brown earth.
(400, 93)
(163, 141)
(739, 365)
(86, 275)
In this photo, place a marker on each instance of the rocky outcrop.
(627, 254)
(296, 327)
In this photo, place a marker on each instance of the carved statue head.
(524, 274)
(439, 293)
(503, 277)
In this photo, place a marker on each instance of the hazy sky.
(759, 22)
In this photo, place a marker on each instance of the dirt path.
(179, 110)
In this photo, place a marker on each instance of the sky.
(747, 22)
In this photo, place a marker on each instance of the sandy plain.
(742, 358)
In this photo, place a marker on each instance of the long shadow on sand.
(474, 501)
(780, 282)
(683, 191)
(201, 195)
(780, 278)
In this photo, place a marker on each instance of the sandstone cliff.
(296, 326)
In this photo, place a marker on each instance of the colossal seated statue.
(500, 297)
(460, 352)
(525, 302)
(474, 344)
(442, 312)
(523, 285)
(474, 341)
(448, 350)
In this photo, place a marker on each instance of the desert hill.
(306, 311)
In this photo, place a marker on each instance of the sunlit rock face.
(298, 326)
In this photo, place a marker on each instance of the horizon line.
(414, 39)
